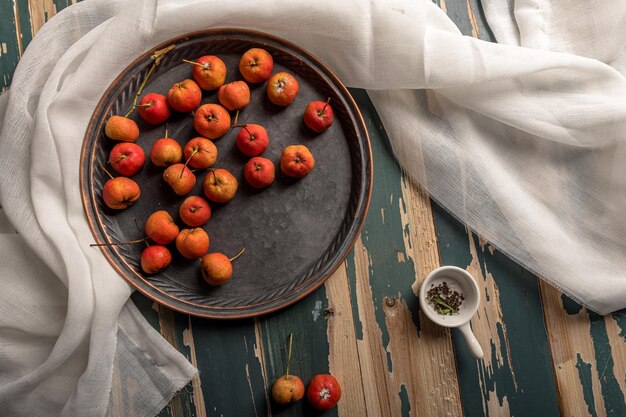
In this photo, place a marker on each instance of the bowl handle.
(471, 341)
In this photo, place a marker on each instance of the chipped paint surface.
(343, 355)
(391, 347)
(258, 354)
(196, 383)
(317, 310)
(370, 347)
(573, 354)
(485, 323)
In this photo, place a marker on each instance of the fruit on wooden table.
(120, 192)
(180, 178)
(153, 108)
(220, 185)
(192, 243)
(127, 158)
(318, 115)
(184, 96)
(256, 65)
(200, 153)
(282, 88)
(259, 172)
(211, 121)
(195, 211)
(155, 259)
(121, 128)
(287, 389)
(234, 96)
(252, 139)
(208, 71)
(296, 161)
(323, 392)
(160, 227)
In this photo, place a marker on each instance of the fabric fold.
(524, 141)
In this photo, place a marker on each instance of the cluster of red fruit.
(211, 121)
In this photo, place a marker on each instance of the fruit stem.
(215, 180)
(116, 158)
(289, 355)
(245, 126)
(156, 57)
(238, 254)
(132, 242)
(203, 66)
(195, 151)
(236, 117)
(107, 171)
(165, 129)
(325, 104)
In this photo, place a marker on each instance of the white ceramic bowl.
(460, 280)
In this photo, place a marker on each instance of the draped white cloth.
(524, 141)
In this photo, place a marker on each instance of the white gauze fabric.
(524, 141)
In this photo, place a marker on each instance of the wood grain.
(343, 358)
(430, 341)
(40, 12)
(583, 380)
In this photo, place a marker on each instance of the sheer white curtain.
(524, 140)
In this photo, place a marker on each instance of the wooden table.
(545, 355)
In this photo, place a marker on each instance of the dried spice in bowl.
(443, 299)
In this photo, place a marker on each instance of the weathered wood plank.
(343, 358)
(589, 355)
(9, 43)
(40, 12)
(514, 378)
(308, 324)
(396, 249)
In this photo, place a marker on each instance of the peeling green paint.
(388, 277)
(520, 303)
(8, 37)
(405, 405)
(584, 374)
(570, 306)
(611, 391)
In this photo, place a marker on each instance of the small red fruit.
(296, 161)
(252, 140)
(153, 108)
(192, 243)
(211, 121)
(201, 153)
(234, 96)
(287, 389)
(318, 116)
(160, 227)
(184, 96)
(120, 192)
(121, 128)
(195, 211)
(220, 185)
(127, 158)
(155, 259)
(256, 65)
(282, 88)
(180, 178)
(259, 172)
(209, 72)
(324, 392)
(165, 152)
